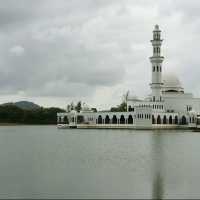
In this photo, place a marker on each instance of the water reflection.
(157, 167)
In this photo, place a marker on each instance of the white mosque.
(168, 106)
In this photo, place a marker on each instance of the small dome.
(171, 83)
(85, 107)
(73, 112)
(156, 27)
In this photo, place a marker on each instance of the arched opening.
(164, 119)
(158, 120)
(100, 119)
(170, 119)
(129, 109)
(193, 119)
(122, 119)
(153, 119)
(130, 119)
(114, 119)
(107, 120)
(80, 119)
(176, 120)
(183, 120)
(59, 120)
(66, 121)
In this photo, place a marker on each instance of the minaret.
(156, 61)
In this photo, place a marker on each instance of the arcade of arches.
(169, 120)
(115, 120)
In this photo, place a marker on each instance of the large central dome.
(171, 83)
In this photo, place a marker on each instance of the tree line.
(14, 114)
(10, 113)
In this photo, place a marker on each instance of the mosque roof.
(171, 83)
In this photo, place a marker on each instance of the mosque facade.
(168, 105)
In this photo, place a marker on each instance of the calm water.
(43, 162)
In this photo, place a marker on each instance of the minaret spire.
(156, 61)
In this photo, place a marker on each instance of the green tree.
(94, 109)
(78, 106)
(72, 107)
(123, 106)
(13, 114)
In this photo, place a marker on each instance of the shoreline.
(18, 124)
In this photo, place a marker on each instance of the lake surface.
(44, 162)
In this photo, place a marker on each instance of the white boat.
(63, 126)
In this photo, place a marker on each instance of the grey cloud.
(74, 48)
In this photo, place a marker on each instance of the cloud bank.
(54, 52)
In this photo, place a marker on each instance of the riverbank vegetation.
(12, 114)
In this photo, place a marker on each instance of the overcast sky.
(54, 52)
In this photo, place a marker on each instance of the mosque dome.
(85, 107)
(73, 112)
(171, 83)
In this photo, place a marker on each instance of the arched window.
(158, 120)
(153, 120)
(170, 119)
(164, 119)
(107, 120)
(114, 119)
(100, 121)
(122, 119)
(129, 108)
(183, 120)
(130, 119)
(176, 120)
(157, 69)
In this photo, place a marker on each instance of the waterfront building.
(168, 105)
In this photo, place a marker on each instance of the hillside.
(25, 105)
(10, 113)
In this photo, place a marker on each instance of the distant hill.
(25, 105)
